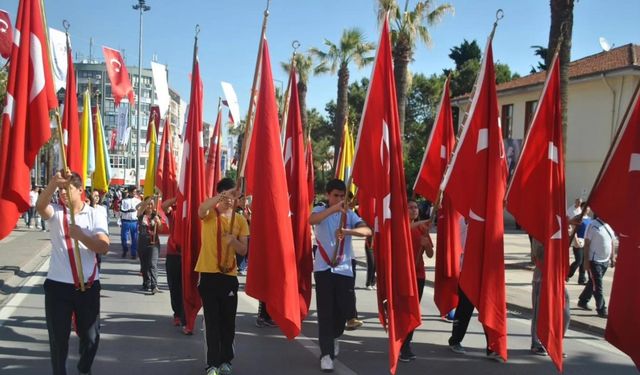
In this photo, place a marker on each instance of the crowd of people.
(224, 256)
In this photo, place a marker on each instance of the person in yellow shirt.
(218, 287)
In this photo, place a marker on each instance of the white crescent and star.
(116, 65)
(634, 163)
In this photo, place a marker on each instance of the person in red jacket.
(421, 244)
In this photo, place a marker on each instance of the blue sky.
(230, 31)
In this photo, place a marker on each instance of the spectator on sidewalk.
(371, 264)
(538, 258)
(421, 244)
(31, 212)
(599, 251)
(577, 244)
(62, 294)
(43, 225)
(95, 203)
(334, 280)
(149, 244)
(129, 222)
(218, 274)
(575, 209)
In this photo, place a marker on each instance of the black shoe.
(584, 306)
(603, 314)
(538, 350)
(407, 356)
(124, 254)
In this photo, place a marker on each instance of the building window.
(529, 111)
(506, 120)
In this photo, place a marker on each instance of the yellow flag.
(150, 176)
(102, 174)
(345, 158)
(86, 140)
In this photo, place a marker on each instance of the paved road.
(137, 337)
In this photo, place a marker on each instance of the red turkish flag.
(536, 198)
(479, 162)
(624, 303)
(154, 119)
(615, 199)
(379, 173)
(118, 75)
(166, 179)
(448, 248)
(70, 118)
(311, 190)
(620, 178)
(213, 174)
(297, 184)
(191, 192)
(250, 163)
(25, 117)
(6, 34)
(275, 280)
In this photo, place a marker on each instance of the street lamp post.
(141, 7)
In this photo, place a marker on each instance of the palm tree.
(351, 48)
(406, 27)
(304, 65)
(561, 31)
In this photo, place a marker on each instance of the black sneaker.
(407, 356)
(539, 350)
(584, 306)
(603, 314)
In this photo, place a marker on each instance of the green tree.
(542, 53)
(468, 60)
(304, 66)
(407, 27)
(422, 105)
(560, 33)
(352, 48)
(4, 75)
(464, 52)
(322, 133)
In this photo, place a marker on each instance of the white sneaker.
(336, 347)
(326, 363)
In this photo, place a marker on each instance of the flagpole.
(499, 16)
(287, 95)
(65, 168)
(248, 130)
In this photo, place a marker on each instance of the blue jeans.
(129, 227)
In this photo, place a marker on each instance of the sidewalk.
(518, 275)
(21, 254)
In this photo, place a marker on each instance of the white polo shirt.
(33, 198)
(129, 204)
(601, 236)
(92, 222)
(325, 233)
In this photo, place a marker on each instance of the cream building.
(600, 90)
